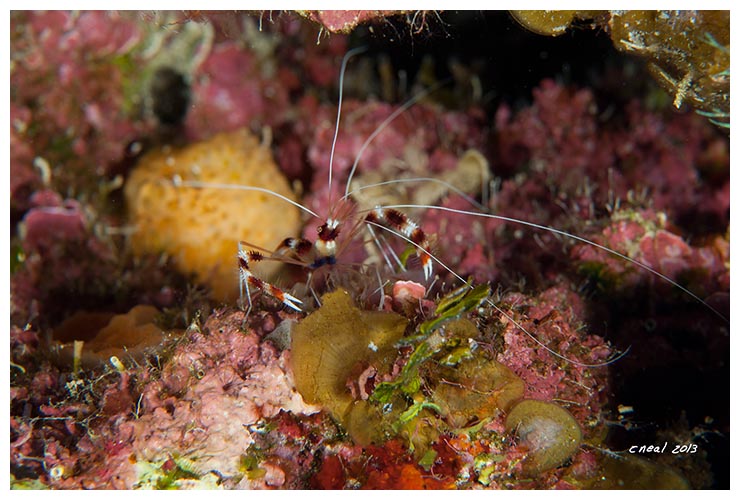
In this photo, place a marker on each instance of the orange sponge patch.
(200, 227)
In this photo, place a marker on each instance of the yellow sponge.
(200, 227)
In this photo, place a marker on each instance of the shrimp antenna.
(504, 313)
(178, 181)
(446, 184)
(413, 100)
(577, 238)
(345, 60)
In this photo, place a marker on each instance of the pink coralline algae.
(52, 220)
(401, 145)
(206, 406)
(231, 90)
(210, 394)
(68, 266)
(344, 21)
(643, 236)
(456, 132)
(55, 231)
(561, 139)
(214, 404)
(554, 315)
(236, 86)
(23, 177)
(78, 121)
(576, 168)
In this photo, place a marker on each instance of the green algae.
(335, 344)
(445, 384)
(475, 389)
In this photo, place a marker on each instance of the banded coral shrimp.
(468, 215)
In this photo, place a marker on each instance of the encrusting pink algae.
(135, 365)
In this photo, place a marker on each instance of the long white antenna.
(504, 313)
(385, 123)
(577, 238)
(432, 180)
(345, 60)
(178, 181)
